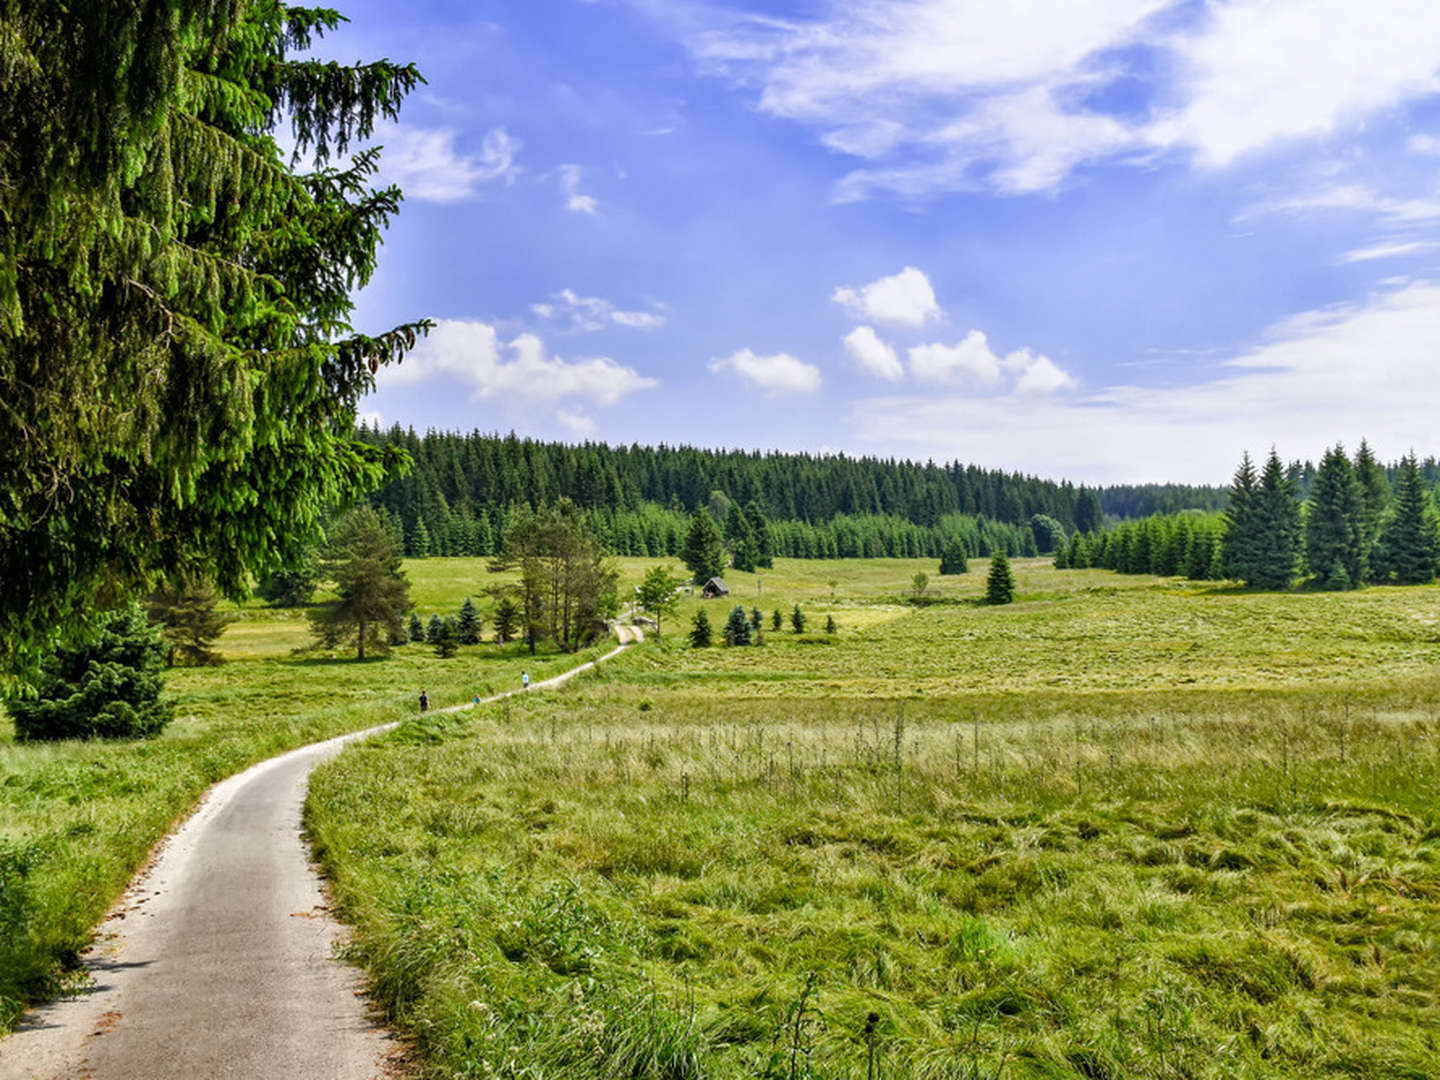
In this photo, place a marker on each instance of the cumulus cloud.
(973, 364)
(594, 313)
(576, 422)
(903, 299)
(574, 199)
(944, 95)
(872, 354)
(778, 374)
(427, 164)
(1364, 369)
(520, 371)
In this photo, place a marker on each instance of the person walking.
(525, 680)
(424, 701)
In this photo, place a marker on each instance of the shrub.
(107, 687)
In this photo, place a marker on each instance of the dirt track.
(219, 961)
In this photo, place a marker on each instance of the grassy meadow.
(1125, 827)
(78, 819)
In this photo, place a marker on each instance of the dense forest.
(462, 489)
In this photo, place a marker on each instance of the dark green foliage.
(188, 621)
(1049, 533)
(1242, 532)
(740, 540)
(658, 594)
(797, 620)
(107, 686)
(1187, 543)
(703, 552)
(700, 632)
(1374, 499)
(293, 584)
(830, 627)
(1000, 582)
(737, 627)
(178, 375)
(506, 619)
(434, 628)
(416, 632)
(1275, 517)
(776, 619)
(1334, 537)
(952, 559)
(468, 624)
(444, 637)
(1409, 539)
(757, 618)
(763, 543)
(363, 560)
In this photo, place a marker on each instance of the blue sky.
(1110, 240)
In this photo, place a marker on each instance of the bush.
(107, 687)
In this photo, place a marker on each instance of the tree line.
(1359, 524)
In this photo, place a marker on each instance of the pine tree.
(107, 686)
(658, 594)
(1242, 543)
(703, 552)
(468, 625)
(757, 619)
(291, 585)
(797, 620)
(444, 636)
(158, 253)
(506, 619)
(434, 628)
(363, 561)
(1276, 517)
(1334, 541)
(1409, 539)
(830, 627)
(764, 544)
(700, 633)
(1000, 583)
(416, 632)
(1374, 499)
(186, 614)
(737, 627)
(740, 540)
(776, 619)
(952, 558)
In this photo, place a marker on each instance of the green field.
(1125, 827)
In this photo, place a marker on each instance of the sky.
(1104, 240)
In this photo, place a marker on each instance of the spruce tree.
(1277, 526)
(740, 540)
(434, 628)
(444, 636)
(1334, 540)
(1409, 539)
(703, 552)
(952, 557)
(776, 619)
(1374, 499)
(106, 686)
(737, 627)
(830, 627)
(797, 620)
(764, 544)
(417, 629)
(186, 615)
(700, 633)
(1242, 542)
(757, 619)
(468, 624)
(158, 253)
(506, 619)
(1000, 583)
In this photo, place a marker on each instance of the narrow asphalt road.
(218, 963)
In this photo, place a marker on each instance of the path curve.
(218, 963)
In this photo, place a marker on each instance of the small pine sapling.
(830, 627)
(797, 620)
(737, 627)
(700, 633)
(776, 620)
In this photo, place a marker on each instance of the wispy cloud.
(574, 199)
(1392, 249)
(428, 165)
(594, 313)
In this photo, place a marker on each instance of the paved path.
(218, 963)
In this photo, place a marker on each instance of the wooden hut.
(713, 588)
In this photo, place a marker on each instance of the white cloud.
(903, 299)
(594, 313)
(574, 200)
(954, 365)
(428, 166)
(1343, 372)
(1350, 198)
(1390, 250)
(872, 354)
(518, 372)
(1423, 145)
(775, 375)
(947, 95)
(1037, 374)
(576, 422)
